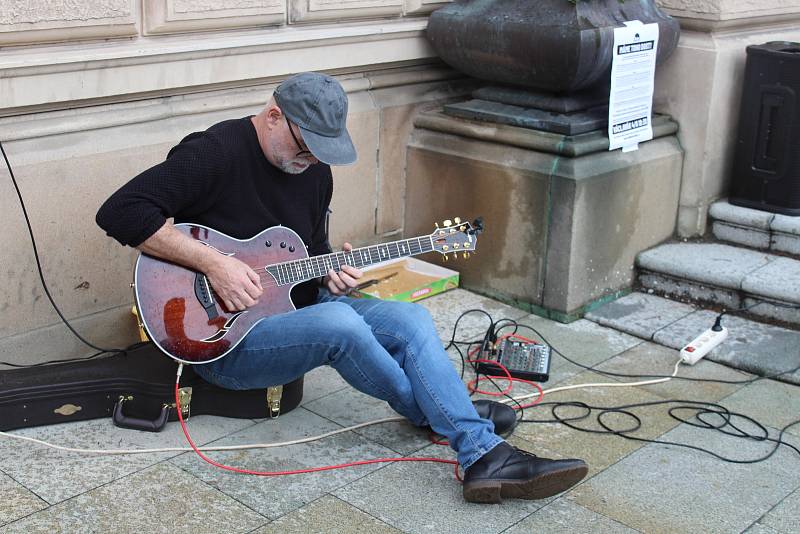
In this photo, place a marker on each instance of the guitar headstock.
(456, 237)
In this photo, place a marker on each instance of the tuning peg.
(447, 222)
(466, 255)
(445, 257)
(437, 225)
(457, 220)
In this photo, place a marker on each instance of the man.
(242, 176)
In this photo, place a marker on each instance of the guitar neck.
(292, 272)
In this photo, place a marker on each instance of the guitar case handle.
(135, 423)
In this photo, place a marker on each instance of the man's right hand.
(234, 282)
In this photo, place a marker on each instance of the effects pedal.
(523, 359)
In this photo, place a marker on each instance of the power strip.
(703, 344)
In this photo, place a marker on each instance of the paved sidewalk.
(632, 486)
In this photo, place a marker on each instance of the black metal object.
(766, 167)
(96, 388)
(550, 45)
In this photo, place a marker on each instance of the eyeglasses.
(304, 152)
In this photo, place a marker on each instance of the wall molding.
(166, 16)
(47, 78)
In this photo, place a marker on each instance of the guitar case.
(136, 389)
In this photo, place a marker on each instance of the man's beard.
(294, 166)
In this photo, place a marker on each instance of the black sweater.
(220, 178)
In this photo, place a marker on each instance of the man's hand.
(236, 284)
(345, 280)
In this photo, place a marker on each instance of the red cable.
(297, 471)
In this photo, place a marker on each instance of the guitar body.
(184, 318)
(179, 310)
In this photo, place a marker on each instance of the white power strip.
(702, 345)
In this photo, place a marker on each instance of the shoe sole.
(541, 487)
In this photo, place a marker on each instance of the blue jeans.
(389, 350)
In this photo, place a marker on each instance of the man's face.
(289, 151)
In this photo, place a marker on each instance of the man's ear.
(273, 115)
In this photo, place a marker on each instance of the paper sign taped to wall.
(633, 69)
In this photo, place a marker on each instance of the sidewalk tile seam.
(765, 514)
(217, 490)
(381, 521)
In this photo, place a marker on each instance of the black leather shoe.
(502, 415)
(509, 472)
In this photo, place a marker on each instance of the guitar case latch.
(185, 398)
(274, 394)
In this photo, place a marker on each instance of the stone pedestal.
(564, 217)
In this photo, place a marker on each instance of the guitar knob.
(291, 248)
(283, 244)
(268, 243)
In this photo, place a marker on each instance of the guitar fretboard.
(291, 272)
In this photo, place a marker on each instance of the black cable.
(41, 275)
(701, 408)
(626, 375)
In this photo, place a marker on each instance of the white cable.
(220, 448)
(598, 385)
(328, 434)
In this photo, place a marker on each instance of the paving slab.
(661, 488)
(57, 475)
(652, 359)
(350, 407)
(555, 440)
(778, 280)
(162, 498)
(640, 314)
(321, 381)
(757, 348)
(327, 515)
(276, 496)
(709, 263)
(772, 403)
(583, 341)
(785, 517)
(564, 516)
(448, 306)
(423, 497)
(16, 501)
(758, 528)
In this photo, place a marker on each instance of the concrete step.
(756, 229)
(751, 346)
(725, 275)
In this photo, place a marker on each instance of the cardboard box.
(405, 279)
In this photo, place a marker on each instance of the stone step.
(763, 349)
(756, 229)
(728, 276)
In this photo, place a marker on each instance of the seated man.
(243, 175)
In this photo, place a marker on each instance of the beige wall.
(701, 86)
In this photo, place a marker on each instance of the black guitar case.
(136, 389)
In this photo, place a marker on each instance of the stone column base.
(564, 217)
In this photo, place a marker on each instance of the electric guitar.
(183, 316)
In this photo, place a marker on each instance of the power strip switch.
(703, 344)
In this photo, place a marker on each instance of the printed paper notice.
(633, 69)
